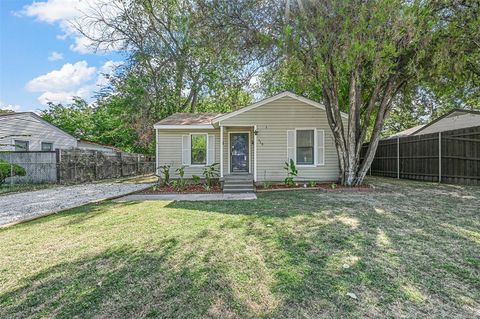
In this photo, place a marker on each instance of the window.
(199, 149)
(21, 146)
(305, 147)
(47, 146)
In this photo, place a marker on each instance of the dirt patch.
(325, 187)
(188, 189)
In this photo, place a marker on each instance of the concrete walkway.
(18, 207)
(188, 197)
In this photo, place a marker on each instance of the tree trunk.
(349, 142)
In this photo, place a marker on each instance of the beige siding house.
(255, 140)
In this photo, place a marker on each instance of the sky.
(42, 58)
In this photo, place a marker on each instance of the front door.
(239, 152)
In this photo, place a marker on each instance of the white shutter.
(320, 147)
(290, 145)
(186, 150)
(211, 149)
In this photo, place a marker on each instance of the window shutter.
(290, 145)
(211, 149)
(320, 147)
(186, 150)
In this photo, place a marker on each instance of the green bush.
(6, 170)
(292, 172)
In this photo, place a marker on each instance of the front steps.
(238, 183)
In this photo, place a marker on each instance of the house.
(92, 146)
(454, 120)
(26, 131)
(255, 141)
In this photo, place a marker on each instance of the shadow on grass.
(296, 255)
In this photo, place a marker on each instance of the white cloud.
(78, 79)
(69, 76)
(67, 13)
(55, 56)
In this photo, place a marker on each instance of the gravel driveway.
(24, 206)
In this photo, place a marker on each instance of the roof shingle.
(189, 119)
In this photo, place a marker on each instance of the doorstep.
(187, 197)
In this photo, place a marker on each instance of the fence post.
(57, 162)
(398, 158)
(439, 157)
(11, 170)
(121, 164)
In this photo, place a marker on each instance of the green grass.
(408, 250)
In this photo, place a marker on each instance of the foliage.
(9, 170)
(181, 174)
(292, 172)
(312, 183)
(165, 171)
(210, 172)
(196, 179)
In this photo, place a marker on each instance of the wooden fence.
(449, 157)
(76, 166)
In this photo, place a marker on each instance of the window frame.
(46, 142)
(315, 143)
(25, 150)
(206, 150)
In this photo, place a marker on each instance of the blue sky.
(42, 59)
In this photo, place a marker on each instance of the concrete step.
(239, 190)
(237, 186)
(239, 178)
(238, 183)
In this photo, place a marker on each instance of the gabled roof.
(452, 113)
(208, 120)
(271, 99)
(419, 128)
(37, 117)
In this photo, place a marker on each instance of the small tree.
(9, 170)
(291, 173)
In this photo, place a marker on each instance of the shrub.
(312, 183)
(181, 173)
(210, 172)
(291, 173)
(196, 179)
(165, 171)
(6, 169)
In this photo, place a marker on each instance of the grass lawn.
(411, 249)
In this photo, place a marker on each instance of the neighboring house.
(26, 131)
(92, 146)
(255, 140)
(454, 120)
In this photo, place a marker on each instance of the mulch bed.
(188, 189)
(325, 187)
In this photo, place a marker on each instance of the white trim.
(271, 99)
(317, 163)
(184, 127)
(314, 146)
(206, 151)
(221, 151)
(156, 152)
(254, 153)
(249, 151)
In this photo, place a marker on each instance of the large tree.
(359, 57)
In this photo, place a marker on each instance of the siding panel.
(273, 120)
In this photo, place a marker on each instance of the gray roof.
(408, 131)
(189, 119)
